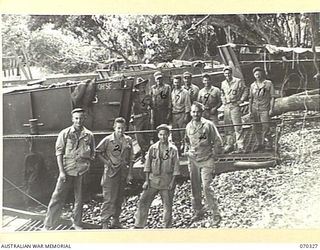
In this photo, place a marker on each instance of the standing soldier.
(74, 150)
(233, 93)
(188, 85)
(161, 100)
(201, 137)
(261, 104)
(181, 104)
(210, 97)
(116, 153)
(141, 115)
(161, 168)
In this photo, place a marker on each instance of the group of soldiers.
(184, 106)
(170, 104)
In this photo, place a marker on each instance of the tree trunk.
(297, 102)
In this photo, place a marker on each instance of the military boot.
(115, 224)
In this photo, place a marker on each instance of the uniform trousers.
(214, 118)
(178, 121)
(201, 174)
(145, 201)
(113, 194)
(160, 116)
(262, 131)
(140, 124)
(59, 197)
(232, 115)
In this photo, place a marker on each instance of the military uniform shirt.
(119, 152)
(193, 92)
(77, 150)
(180, 99)
(162, 167)
(209, 98)
(161, 96)
(233, 91)
(201, 138)
(261, 96)
(141, 102)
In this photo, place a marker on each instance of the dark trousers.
(140, 124)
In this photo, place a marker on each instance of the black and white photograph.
(160, 121)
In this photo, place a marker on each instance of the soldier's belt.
(140, 115)
(176, 113)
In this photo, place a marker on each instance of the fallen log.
(296, 102)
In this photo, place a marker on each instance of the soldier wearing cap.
(161, 169)
(201, 138)
(141, 115)
(161, 100)
(233, 93)
(210, 97)
(181, 105)
(75, 147)
(261, 104)
(116, 153)
(188, 85)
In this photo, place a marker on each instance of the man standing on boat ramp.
(75, 147)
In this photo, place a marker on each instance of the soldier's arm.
(272, 100)
(244, 92)
(223, 97)
(187, 102)
(176, 168)
(93, 146)
(250, 99)
(147, 169)
(219, 102)
(60, 151)
(100, 149)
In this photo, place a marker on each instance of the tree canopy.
(77, 43)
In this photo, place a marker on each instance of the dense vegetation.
(77, 43)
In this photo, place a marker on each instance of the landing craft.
(33, 116)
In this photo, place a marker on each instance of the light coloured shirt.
(118, 151)
(210, 98)
(233, 91)
(193, 92)
(201, 138)
(261, 97)
(161, 96)
(77, 150)
(180, 99)
(162, 166)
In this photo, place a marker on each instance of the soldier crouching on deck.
(116, 152)
(141, 115)
(75, 151)
(161, 168)
(201, 136)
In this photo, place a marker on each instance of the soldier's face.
(119, 128)
(258, 75)
(142, 87)
(159, 80)
(228, 74)
(163, 135)
(176, 83)
(195, 113)
(187, 80)
(206, 82)
(78, 120)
